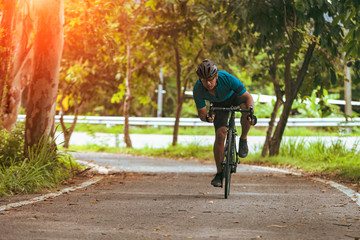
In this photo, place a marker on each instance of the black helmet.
(206, 69)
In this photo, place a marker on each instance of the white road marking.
(349, 192)
(50, 195)
(96, 168)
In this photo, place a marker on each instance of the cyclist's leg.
(220, 124)
(245, 124)
(219, 147)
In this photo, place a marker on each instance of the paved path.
(264, 204)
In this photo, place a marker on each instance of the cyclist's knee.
(220, 135)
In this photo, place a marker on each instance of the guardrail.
(192, 122)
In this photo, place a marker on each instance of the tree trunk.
(48, 45)
(6, 46)
(128, 96)
(68, 131)
(18, 82)
(21, 68)
(178, 95)
(291, 93)
(279, 101)
(274, 145)
(270, 129)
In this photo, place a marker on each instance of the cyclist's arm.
(203, 115)
(246, 97)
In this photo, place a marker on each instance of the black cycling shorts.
(221, 117)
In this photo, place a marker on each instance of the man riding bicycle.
(223, 90)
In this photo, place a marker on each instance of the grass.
(191, 151)
(332, 159)
(45, 167)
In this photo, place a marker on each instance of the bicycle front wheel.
(227, 165)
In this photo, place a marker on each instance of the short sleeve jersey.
(227, 84)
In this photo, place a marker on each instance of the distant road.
(160, 141)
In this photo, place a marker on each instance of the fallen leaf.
(211, 202)
(167, 235)
(298, 224)
(157, 229)
(278, 226)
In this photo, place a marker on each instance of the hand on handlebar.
(209, 118)
(251, 117)
(210, 115)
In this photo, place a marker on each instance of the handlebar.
(232, 109)
(250, 117)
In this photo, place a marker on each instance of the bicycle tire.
(227, 166)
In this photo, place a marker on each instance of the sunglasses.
(208, 79)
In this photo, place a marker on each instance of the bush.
(12, 145)
(44, 167)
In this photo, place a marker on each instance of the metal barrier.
(192, 122)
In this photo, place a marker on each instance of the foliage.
(12, 145)
(332, 158)
(43, 168)
(88, 71)
(314, 107)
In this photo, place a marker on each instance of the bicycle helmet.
(206, 69)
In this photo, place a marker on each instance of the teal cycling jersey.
(227, 85)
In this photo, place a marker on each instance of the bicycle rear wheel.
(227, 165)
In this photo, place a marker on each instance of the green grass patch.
(45, 167)
(192, 151)
(319, 157)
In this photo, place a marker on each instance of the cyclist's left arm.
(246, 97)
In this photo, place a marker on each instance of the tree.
(176, 26)
(291, 32)
(15, 54)
(86, 70)
(128, 21)
(48, 45)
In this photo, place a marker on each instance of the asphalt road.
(263, 204)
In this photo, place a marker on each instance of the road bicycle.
(231, 157)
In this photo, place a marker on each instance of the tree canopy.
(114, 49)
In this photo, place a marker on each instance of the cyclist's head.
(206, 69)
